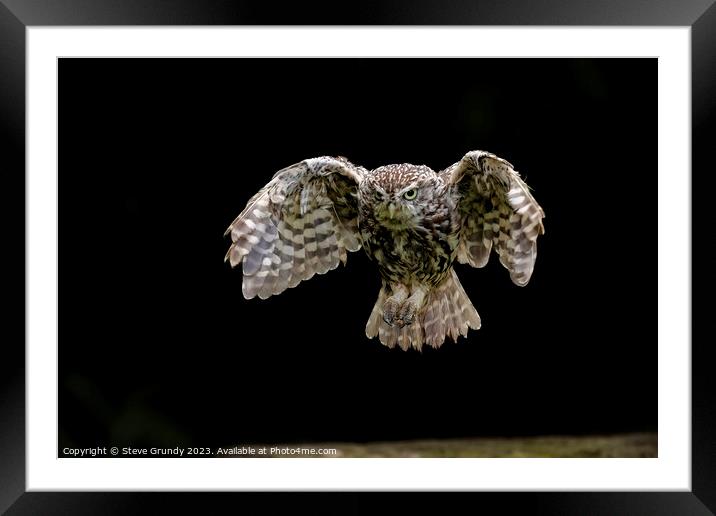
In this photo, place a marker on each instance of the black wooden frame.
(16, 15)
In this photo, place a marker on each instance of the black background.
(158, 347)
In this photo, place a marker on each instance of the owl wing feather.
(498, 211)
(301, 223)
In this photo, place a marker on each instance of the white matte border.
(671, 471)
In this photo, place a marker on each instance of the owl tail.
(447, 312)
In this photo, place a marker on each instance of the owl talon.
(401, 308)
(395, 321)
(390, 310)
(392, 305)
(399, 315)
(406, 313)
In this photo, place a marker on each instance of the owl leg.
(410, 307)
(401, 308)
(399, 293)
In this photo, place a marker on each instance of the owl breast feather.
(423, 253)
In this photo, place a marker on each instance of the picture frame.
(16, 16)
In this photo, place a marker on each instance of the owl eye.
(411, 194)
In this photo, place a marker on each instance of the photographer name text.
(178, 451)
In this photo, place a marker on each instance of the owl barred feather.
(497, 209)
(301, 223)
(414, 223)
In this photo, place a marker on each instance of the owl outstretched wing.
(301, 223)
(497, 210)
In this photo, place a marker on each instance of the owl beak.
(391, 210)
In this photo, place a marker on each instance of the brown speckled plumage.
(414, 223)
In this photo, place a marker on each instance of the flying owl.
(413, 222)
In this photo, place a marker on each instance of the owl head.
(399, 195)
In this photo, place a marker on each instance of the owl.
(412, 222)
